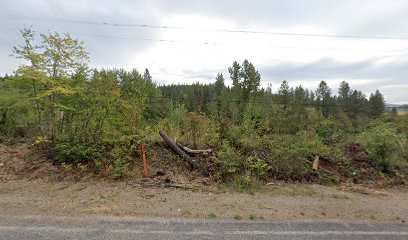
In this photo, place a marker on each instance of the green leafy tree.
(51, 66)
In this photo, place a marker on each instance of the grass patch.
(212, 215)
(252, 216)
(238, 217)
(243, 184)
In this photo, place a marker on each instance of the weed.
(252, 216)
(238, 217)
(244, 184)
(212, 215)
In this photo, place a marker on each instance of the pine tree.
(323, 93)
(251, 79)
(377, 104)
(284, 95)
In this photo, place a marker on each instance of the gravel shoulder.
(282, 202)
(34, 191)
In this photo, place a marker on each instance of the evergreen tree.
(377, 104)
(234, 72)
(300, 95)
(219, 84)
(251, 79)
(344, 97)
(284, 95)
(323, 93)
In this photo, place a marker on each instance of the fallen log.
(204, 152)
(192, 162)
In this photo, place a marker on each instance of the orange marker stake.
(144, 161)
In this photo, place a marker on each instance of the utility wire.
(208, 43)
(16, 17)
(226, 44)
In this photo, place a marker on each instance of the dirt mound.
(364, 171)
(357, 153)
(21, 162)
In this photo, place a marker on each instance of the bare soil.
(30, 185)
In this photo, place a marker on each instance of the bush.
(384, 146)
(75, 153)
(229, 162)
(287, 154)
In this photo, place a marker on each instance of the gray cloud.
(365, 17)
(394, 72)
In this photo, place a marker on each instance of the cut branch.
(204, 152)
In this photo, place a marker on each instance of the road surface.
(33, 228)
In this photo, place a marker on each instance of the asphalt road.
(32, 228)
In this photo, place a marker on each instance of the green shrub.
(383, 145)
(120, 159)
(257, 166)
(242, 183)
(75, 153)
(229, 161)
(287, 154)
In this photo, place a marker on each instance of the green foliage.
(212, 215)
(257, 166)
(75, 153)
(101, 117)
(287, 154)
(120, 159)
(377, 104)
(229, 162)
(242, 183)
(385, 146)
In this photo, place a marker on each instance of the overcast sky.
(192, 53)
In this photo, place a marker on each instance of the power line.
(223, 44)
(208, 43)
(15, 17)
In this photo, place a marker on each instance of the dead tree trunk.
(204, 152)
(178, 150)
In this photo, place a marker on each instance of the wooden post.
(144, 161)
(315, 163)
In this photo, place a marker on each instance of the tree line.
(57, 98)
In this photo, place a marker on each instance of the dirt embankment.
(30, 185)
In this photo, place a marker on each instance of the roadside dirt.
(36, 187)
